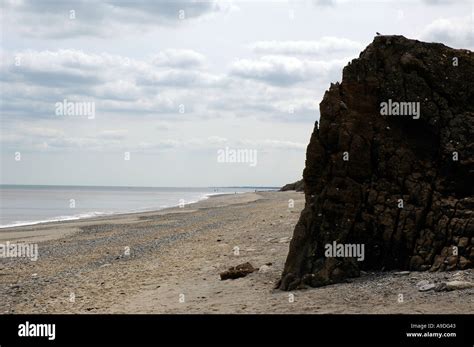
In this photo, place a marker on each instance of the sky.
(172, 83)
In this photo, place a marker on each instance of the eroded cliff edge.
(400, 186)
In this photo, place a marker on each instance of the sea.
(28, 205)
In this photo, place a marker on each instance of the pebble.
(422, 283)
(458, 285)
(426, 287)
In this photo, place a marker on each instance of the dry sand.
(175, 259)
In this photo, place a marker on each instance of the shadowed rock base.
(401, 186)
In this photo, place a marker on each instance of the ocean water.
(27, 205)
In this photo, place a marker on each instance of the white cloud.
(324, 2)
(440, 2)
(42, 132)
(325, 45)
(124, 87)
(274, 144)
(118, 140)
(455, 32)
(283, 70)
(273, 69)
(52, 139)
(179, 58)
(215, 142)
(117, 90)
(115, 83)
(118, 134)
(173, 77)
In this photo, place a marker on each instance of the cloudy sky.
(172, 82)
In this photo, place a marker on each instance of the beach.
(169, 261)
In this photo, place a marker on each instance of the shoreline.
(169, 261)
(106, 216)
(98, 214)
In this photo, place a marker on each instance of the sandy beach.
(169, 261)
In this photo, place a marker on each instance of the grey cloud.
(285, 71)
(178, 78)
(55, 79)
(273, 70)
(117, 84)
(98, 18)
(167, 9)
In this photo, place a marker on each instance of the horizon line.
(112, 186)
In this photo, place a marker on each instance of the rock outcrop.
(238, 271)
(400, 186)
(298, 186)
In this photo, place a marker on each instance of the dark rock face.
(400, 186)
(298, 186)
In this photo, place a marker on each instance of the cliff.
(298, 186)
(390, 169)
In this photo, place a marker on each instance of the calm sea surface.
(24, 205)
